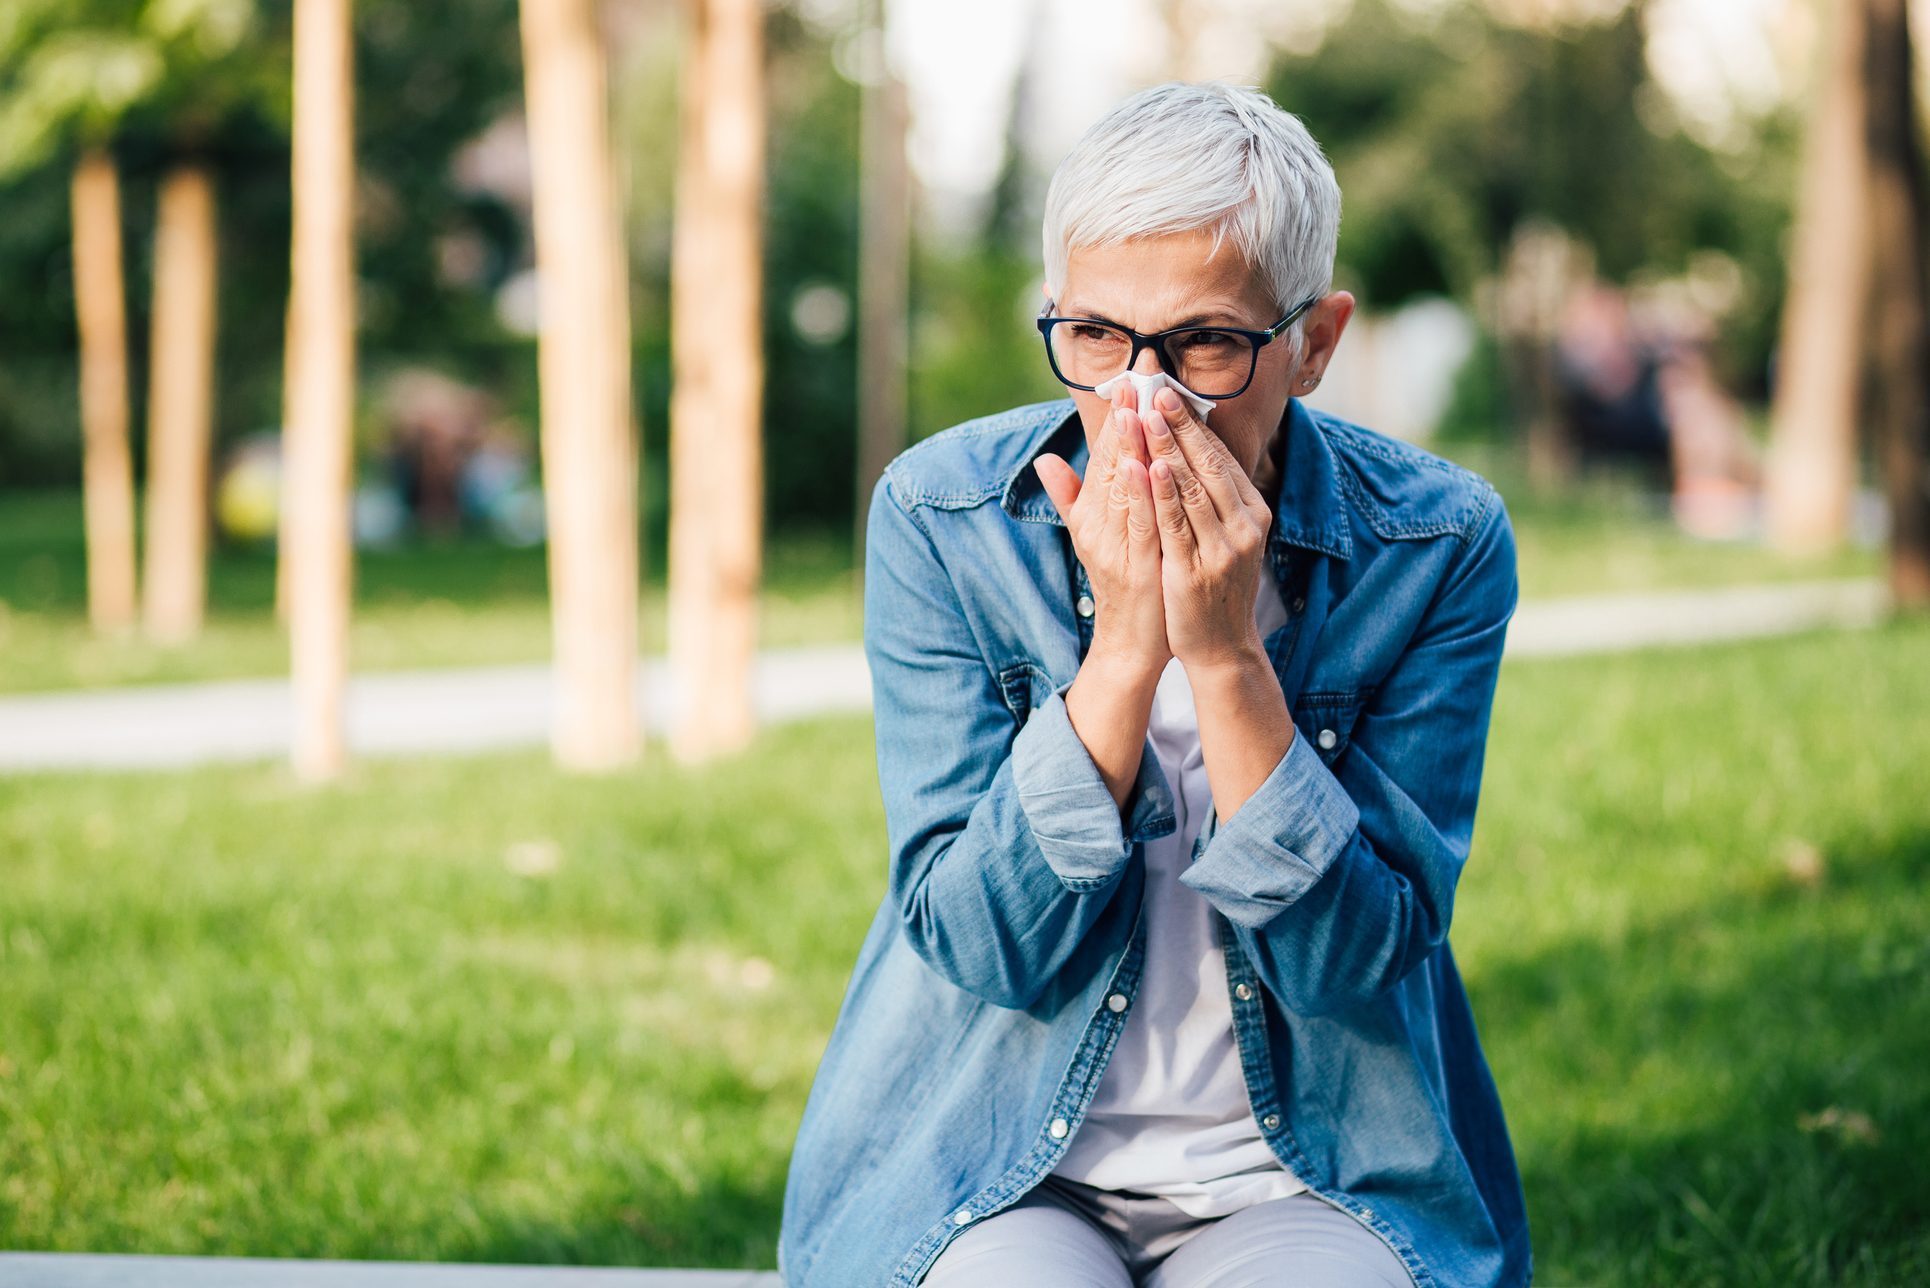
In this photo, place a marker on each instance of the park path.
(482, 708)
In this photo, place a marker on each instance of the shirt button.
(1059, 1129)
(1367, 1214)
(1270, 1121)
(1244, 992)
(1326, 739)
(962, 1217)
(1117, 1002)
(1085, 605)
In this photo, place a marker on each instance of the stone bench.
(99, 1270)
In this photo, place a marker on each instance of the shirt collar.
(1310, 512)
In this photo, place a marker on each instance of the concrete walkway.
(91, 1270)
(482, 708)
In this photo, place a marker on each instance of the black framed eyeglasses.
(1214, 362)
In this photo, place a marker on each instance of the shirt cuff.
(1280, 842)
(1068, 806)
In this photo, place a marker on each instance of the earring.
(1311, 381)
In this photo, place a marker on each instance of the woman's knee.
(1035, 1243)
(1301, 1240)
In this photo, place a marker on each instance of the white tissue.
(1148, 385)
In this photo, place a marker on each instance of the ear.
(1325, 323)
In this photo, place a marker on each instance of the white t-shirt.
(1170, 1115)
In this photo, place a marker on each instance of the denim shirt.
(1002, 964)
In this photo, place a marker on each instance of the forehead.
(1155, 281)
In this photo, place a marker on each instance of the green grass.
(366, 1021)
(1699, 948)
(474, 603)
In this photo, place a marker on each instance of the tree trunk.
(716, 457)
(317, 460)
(884, 254)
(180, 406)
(1900, 346)
(1810, 474)
(289, 348)
(107, 474)
(583, 359)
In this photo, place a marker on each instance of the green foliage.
(810, 241)
(975, 349)
(429, 80)
(472, 1010)
(1477, 410)
(74, 70)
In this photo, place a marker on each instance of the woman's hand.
(1212, 524)
(1111, 519)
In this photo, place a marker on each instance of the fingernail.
(1166, 400)
(1157, 424)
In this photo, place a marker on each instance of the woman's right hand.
(1110, 516)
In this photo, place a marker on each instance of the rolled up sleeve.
(1280, 842)
(1073, 817)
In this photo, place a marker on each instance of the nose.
(1148, 363)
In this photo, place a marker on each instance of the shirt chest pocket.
(1326, 719)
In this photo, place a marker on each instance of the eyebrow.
(1220, 313)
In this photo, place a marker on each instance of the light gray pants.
(1066, 1234)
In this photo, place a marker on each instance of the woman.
(1181, 693)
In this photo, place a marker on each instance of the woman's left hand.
(1212, 534)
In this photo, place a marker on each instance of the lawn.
(470, 602)
(470, 1010)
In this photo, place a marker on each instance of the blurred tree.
(317, 452)
(76, 78)
(1900, 348)
(589, 453)
(180, 406)
(716, 461)
(107, 475)
(213, 71)
(68, 73)
(431, 248)
(1810, 474)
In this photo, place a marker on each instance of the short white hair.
(1185, 155)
